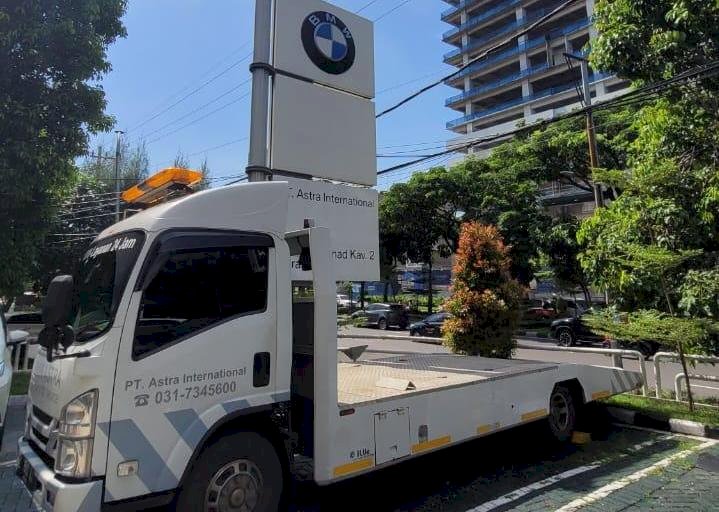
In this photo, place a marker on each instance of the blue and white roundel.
(330, 40)
(329, 43)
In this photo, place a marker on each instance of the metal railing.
(456, 8)
(477, 20)
(660, 357)
(22, 356)
(596, 77)
(498, 83)
(615, 354)
(527, 45)
(679, 378)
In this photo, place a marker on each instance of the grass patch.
(20, 383)
(666, 409)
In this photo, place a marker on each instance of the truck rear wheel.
(240, 472)
(562, 414)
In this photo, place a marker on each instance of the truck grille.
(42, 438)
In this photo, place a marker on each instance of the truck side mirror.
(57, 306)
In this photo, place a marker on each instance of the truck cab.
(176, 326)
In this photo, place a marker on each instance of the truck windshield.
(101, 279)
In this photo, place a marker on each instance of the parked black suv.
(572, 331)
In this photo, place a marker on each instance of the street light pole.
(118, 143)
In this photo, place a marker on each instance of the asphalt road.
(668, 370)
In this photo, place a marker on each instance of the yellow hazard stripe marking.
(534, 415)
(431, 445)
(353, 467)
(486, 429)
(601, 394)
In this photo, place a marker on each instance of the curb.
(677, 426)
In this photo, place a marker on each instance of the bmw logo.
(328, 42)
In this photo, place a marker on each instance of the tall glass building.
(524, 81)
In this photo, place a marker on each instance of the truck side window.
(195, 289)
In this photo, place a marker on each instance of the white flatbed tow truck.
(183, 366)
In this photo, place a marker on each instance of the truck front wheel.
(562, 414)
(240, 472)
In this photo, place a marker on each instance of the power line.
(181, 118)
(539, 22)
(642, 94)
(207, 72)
(405, 2)
(192, 92)
(366, 6)
(199, 119)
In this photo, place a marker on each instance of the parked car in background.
(430, 326)
(571, 331)
(6, 368)
(383, 316)
(343, 301)
(24, 321)
(543, 310)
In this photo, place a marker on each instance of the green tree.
(206, 182)
(485, 300)
(51, 55)
(562, 249)
(420, 218)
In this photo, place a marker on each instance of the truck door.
(199, 345)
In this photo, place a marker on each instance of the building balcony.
(528, 45)
(520, 101)
(558, 193)
(455, 9)
(472, 93)
(479, 19)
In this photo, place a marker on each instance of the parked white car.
(6, 339)
(343, 301)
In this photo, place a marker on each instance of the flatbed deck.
(365, 382)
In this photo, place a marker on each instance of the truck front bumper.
(51, 494)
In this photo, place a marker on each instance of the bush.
(485, 301)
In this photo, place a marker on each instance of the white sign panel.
(329, 45)
(322, 132)
(351, 214)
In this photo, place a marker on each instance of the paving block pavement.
(13, 496)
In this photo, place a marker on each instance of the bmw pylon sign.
(328, 42)
(325, 44)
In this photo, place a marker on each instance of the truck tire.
(562, 414)
(238, 472)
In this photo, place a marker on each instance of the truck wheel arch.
(255, 419)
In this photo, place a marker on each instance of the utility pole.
(591, 132)
(118, 142)
(258, 168)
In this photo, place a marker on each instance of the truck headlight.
(75, 436)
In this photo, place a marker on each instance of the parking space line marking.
(608, 489)
(8, 464)
(515, 495)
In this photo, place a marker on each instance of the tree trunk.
(680, 347)
(683, 359)
(362, 295)
(429, 289)
(587, 294)
(386, 291)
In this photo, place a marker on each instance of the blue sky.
(174, 46)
